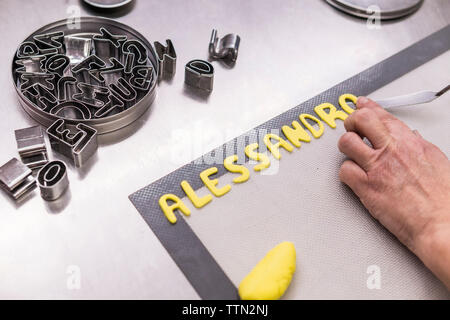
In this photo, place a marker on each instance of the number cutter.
(52, 180)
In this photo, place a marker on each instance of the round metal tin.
(88, 27)
(388, 9)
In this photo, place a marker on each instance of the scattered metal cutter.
(226, 48)
(16, 178)
(167, 58)
(52, 180)
(78, 146)
(31, 146)
(199, 74)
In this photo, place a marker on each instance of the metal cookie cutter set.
(79, 79)
(100, 73)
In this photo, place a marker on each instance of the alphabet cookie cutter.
(167, 58)
(225, 48)
(78, 146)
(199, 74)
(52, 180)
(78, 48)
(31, 147)
(16, 179)
(109, 69)
(31, 64)
(107, 45)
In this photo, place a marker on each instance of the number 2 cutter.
(93, 71)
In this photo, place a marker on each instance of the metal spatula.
(411, 99)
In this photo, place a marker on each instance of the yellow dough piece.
(316, 133)
(296, 133)
(228, 163)
(169, 209)
(211, 184)
(270, 278)
(274, 148)
(343, 102)
(331, 115)
(261, 157)
(196, 200)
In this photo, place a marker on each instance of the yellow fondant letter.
(168, 210)
(228, 163)
(296, 134)
(331, 115)
(343, 102)
(261, 157)
(196, 201)
(275, 148)
(211, 184)
(316, 133)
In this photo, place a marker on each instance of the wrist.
(432, 246)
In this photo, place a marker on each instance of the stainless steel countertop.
(289, 52)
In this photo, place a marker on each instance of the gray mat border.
(181, 242)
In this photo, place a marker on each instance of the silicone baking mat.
(300, 199)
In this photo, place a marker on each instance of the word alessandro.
(295, 134)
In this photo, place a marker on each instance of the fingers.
(392, 123)
(366, 122)
(353, 176)
(417, 133)
(364, 102)
(353, 147)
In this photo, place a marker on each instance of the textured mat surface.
(337, 233)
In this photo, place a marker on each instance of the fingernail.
(362, 100)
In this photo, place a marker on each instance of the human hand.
(403, 180)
